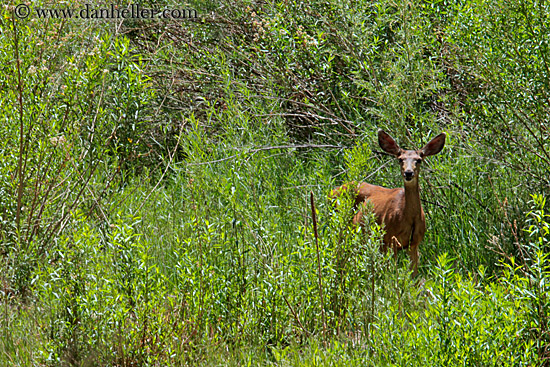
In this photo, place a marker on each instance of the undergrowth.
(164, 185)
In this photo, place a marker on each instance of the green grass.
(155, 186)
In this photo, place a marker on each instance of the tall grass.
(164, 190)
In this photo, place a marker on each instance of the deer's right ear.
(387, 143)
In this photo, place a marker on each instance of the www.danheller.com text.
(133, 11)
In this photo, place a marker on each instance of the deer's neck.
(412, 199)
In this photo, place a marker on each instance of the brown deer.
(398, 210)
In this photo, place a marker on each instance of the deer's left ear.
(434, 146)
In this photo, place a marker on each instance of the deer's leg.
(395, 246)
(357, 218)
(413, 249)
(413, 254)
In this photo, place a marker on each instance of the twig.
(163, 173)
(314, 219)
(293, 312)
(256, 150)
(20, 180)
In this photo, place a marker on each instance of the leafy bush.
(70, 121)
(163, 187)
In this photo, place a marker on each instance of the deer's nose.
(409, 175)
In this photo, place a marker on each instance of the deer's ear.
(434, 146)
(387, 143)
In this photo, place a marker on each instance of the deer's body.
(398, 210)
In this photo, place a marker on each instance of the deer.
(398, 210)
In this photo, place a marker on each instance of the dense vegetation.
(164, 184)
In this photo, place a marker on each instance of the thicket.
(164, 185)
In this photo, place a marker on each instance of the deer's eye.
(418, 161)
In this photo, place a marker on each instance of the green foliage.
(105, 300)
(499, 63)
(156, 178)
(529, 281)
(331, 75)
(70, 122)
